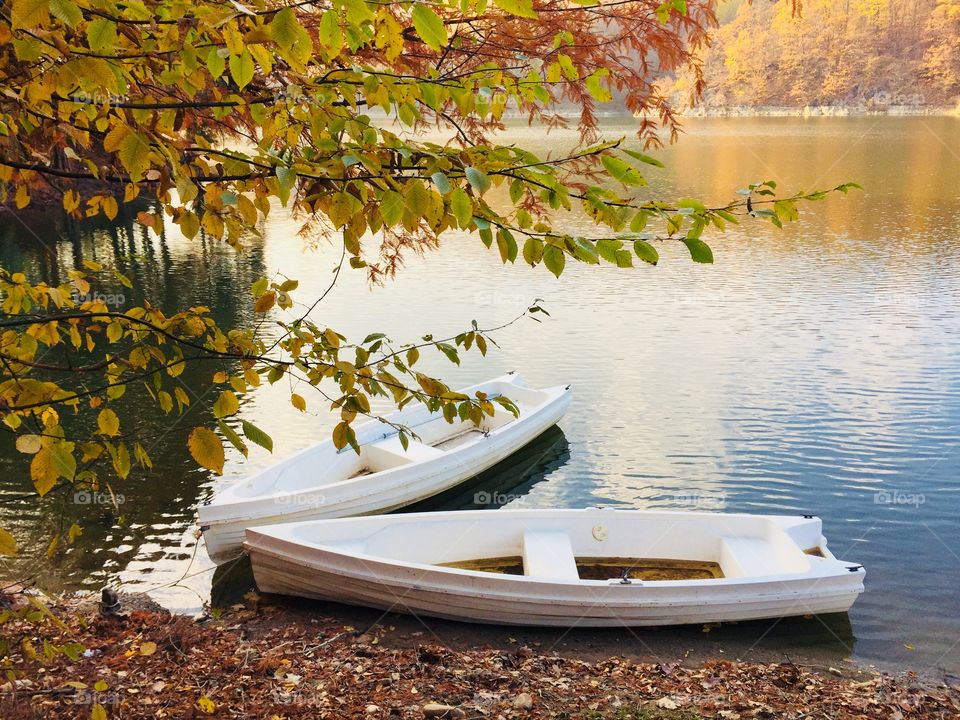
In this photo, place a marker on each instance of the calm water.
(811, 370)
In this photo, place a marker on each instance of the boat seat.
(749, 556)
(389, 453)
(548, 553)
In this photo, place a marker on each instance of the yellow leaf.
(206, 449)
(109, 207)
(42, 471)
(206, 705)
(22, 197)
(29, 13)
(28, 444)
(98, 712)
(265, 302)
(148, 648)
(298, 402)
(74, 532)
(114, 331)
(108, 422)
(8, 546)
(226, 405)
(71, 200)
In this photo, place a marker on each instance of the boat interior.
(594, 545)
(381, 449)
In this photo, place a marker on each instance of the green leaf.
(523, 8)
(230, 434)
(429, 27)
(67, 11)
(646, 252)
(256, 435)
(102, 34)
(291, 37)
(462, 207)
(242, 68)
(622, 170)
(786, 210)
(595, 86)
(216, 63)
(692, 204)
(507, 245)
(644, 158)
(441, 182)
(391, 208)
(608, 249)
(478, 179)
(554, 259)
(532, 251)
(329, 32)
(699, 251)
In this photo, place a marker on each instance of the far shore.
(725, 111)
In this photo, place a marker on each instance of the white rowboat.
(322, 482)
(596, 567)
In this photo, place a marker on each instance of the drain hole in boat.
(590, 568)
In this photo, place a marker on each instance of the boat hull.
(285, 566)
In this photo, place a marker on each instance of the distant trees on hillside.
(873, 52)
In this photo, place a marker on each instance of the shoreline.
(269, 656)
(807, 111)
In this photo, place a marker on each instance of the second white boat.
(322, 482)
(593, 567)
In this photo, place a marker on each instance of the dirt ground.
(271, 659)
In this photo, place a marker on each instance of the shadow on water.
(505, 482)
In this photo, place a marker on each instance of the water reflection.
(508, 482)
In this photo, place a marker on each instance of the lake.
(813, 370)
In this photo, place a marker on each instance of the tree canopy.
(209, 115)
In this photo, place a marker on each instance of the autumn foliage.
(205, 116)
(871, 53)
